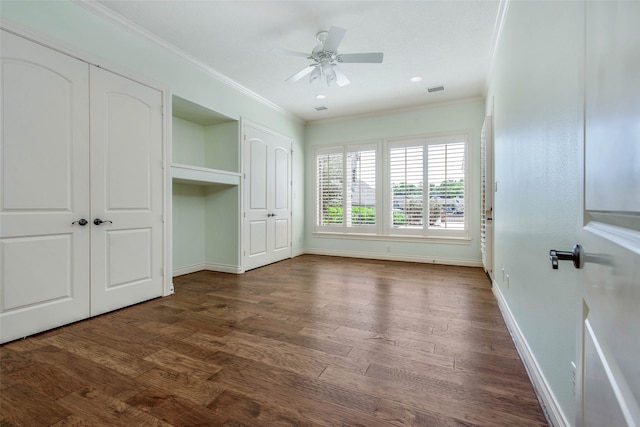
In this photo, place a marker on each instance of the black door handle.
(98, 221)
(81, 221)
(576, 256)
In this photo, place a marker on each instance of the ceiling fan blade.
(287, 52)
(300, 74)
(334, 38)
(371, 57)
(341, 77)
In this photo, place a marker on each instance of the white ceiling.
(448, 43)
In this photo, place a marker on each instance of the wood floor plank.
(181, 363)
(101, 354)
(399, 414)
(310, 341)
(271, 394)
(24, 406)
(270, 377)
(264, 351)
(239, 409)
(173, 409)
(98, 408)
(91, 373)
(47, 379)
(431, 400)
(185, 385)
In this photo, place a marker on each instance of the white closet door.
(126, 192)
(44, 187)
(267, 197)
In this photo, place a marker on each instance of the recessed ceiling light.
(415, 79)
(321, 96)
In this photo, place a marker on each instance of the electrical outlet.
(388, 248)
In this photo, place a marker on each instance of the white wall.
(536, 90)
(465, 115)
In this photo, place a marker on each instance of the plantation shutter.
(361, 188)
(406, 167)
(330, 191)
(486, 201)
(446, 185)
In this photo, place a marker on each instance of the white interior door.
(126, 192)
(609, 345)
(486, 237)
(267, 197)
(44, 188)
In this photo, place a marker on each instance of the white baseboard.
(397, 257)
(548, 401)
(222, 268)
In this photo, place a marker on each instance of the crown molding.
(105, 13)
(503, 6)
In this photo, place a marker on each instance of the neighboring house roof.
(362, 194)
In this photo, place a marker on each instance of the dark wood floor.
(308, 341)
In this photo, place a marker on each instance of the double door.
(81, 197)
(267, 197)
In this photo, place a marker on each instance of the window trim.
(425, 141)
(344, 149)
(384, 230)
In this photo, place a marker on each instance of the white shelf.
(203, 176)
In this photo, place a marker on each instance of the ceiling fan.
(326, 58)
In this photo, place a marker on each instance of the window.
(402, 187)
(346, 188)
(427, 186)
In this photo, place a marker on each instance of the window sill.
(465, 240)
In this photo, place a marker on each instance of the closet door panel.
(267, 192)
(44, 188)
(127, 192)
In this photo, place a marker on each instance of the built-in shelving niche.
(205, 173)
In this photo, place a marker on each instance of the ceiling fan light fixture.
(329, 73)
(325, 54)
(315, 75)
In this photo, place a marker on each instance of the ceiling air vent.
(321, 108)
(435, 89)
